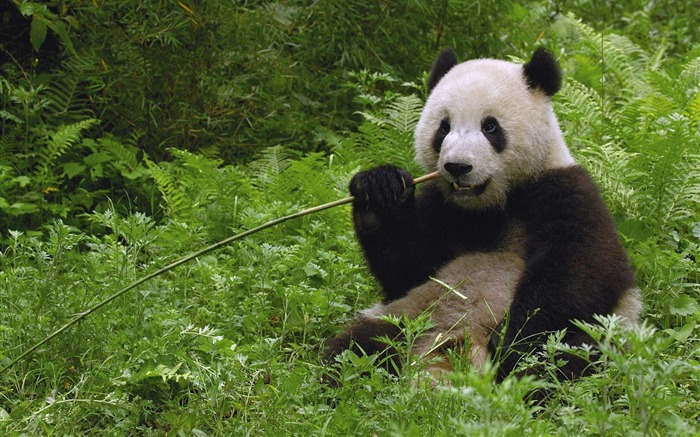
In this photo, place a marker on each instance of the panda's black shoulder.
(573, 178)
(568, 193)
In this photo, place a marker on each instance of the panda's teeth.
(458, 187)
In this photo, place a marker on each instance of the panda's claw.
(382, 188)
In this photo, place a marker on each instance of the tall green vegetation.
(135, 132)
(223, 79)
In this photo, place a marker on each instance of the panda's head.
(488, 126)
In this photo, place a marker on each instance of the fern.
(580, 107)
(401, 113)
(693, 112)
(619, 192)
(675, 193)
(386, 137)
(58, 143)
(305, 180)
(193, 181)
(691, 73)
(167, 183)
(683, 194)
(68, 93)
(690, 77)
(124, 157)
(639, 129)
(624, 61)
(269, 163)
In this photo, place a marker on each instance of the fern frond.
(681, 202)
(118, 151)
(624, 62)
(403, 113)
(691, 72)
(626, 52)
(580, 106)
(68, 94)
(167, 184)
(198, 176)
(306, 179)
(270, 162)
(693, 112)
(125, 157)
(385, 137)
(197, 162)
(59, 142)
(611, 167)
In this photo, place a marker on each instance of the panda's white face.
(487, 131)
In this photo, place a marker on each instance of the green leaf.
(37, 32)
(30, 8)
(97, 158)
(19, 208)
(635, 229)
(681, 334)
(312, 269)
(11, 117)
(62, 31)
(22, 181)
(72, 169)
(683, 305)
(96, 171)
(136, 173)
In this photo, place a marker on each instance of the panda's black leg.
(507, 351)
(367, 336)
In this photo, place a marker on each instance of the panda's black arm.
(575, 267)
(403, 250)
(397, 229)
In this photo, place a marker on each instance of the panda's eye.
(490, 126)
(445, 126)
(441, 133)
(494, 133)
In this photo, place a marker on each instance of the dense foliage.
(134, 132)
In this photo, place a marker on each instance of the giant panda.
(512, 242)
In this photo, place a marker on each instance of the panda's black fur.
(546, 251)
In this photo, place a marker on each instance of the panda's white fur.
(475, 279)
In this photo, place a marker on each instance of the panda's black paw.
(382, 189)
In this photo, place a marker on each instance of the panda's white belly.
(467, 300)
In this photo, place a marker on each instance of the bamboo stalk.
(188, 258)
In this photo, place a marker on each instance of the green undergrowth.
(230, 344)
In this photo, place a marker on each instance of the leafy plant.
(57, 170)
(639, 143)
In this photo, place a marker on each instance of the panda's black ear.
(543, 72)
(442, 65)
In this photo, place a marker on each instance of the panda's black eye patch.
(490, 125)
(445, 126)
(493, 131)
(441, 133)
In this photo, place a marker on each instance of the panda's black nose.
(457, 169)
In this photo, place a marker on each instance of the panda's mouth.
(469, 189)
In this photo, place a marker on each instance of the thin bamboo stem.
(186, 259)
